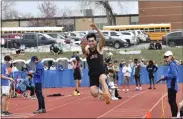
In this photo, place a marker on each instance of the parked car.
(130, 37)
(31, 40)
(11, 36)
(141, 37)
(77, 40)
(109, 41)
(75, 34)
(118, 35)
(173, 39)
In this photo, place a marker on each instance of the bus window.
(151, 29)
(18, 31)
(157, 29)
(146, 30)
(45, 31)
(162, 29)
(5, 32)
(167, 29)
(117, 30)
(142, 29)
(23, 31)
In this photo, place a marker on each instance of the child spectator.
(114, 92)
(31, 86)
(25, 84)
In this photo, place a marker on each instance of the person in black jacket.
(151, 68)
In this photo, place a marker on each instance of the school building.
(80, 23)
(162, 12)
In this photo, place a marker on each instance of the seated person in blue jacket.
(26, 84)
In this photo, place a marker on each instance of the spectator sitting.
(22, 49)
(181, 62)
(24, 68)
(70, 66)
(56, 48)
(14, 68)
(158, 46)
(113, 88)
(60, 50)
(31, 86)
(60, 66)
(45, 67)
(25, 84)
(108, 56)
(52, 67)
(74, 55)
(77, 54)
(151, 46)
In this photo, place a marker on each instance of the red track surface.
(135, 104)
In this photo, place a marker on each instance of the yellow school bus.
(155, 31)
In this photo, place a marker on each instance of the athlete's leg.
(124, 83)
(94, 91)
(106, 94)
(128, 83)
(77, 84)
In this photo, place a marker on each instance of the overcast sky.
(125, 7)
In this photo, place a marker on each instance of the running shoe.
(75, 93)
(107, 98)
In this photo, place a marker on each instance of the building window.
(134, 20)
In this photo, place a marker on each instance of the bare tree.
(48, 10)
(65, 22)
(7, 10)
(108, 9)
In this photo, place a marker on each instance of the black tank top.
(95, 63)
(77, 67)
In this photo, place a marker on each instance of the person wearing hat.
(172, 81)
(38, 80)
(5, 83)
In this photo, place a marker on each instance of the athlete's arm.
(84, 48)
(74, 65)
(102, 41)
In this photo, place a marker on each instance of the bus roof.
(31, 28)
(138, 26)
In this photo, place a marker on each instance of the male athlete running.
(94, 54)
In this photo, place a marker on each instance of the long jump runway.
(134, 104)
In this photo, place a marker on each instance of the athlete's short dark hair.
(90, 35)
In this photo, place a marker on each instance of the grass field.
(156, 55)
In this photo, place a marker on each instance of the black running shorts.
(94, 80)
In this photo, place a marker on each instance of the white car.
(115, 34)
(140, 35)
(130, 37)
(75, 34)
